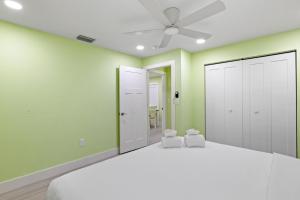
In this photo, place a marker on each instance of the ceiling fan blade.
(154, 8)
(142, 32)
(208, 11)
(165, 41)
(172, 14)
(194, 34)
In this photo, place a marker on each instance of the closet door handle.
(230, 110)
(256, 112)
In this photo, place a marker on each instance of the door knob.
(122, 114)
(256, 112)
(230, 110)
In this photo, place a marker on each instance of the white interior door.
(233, 73)
(283, 103)
(270, 104)
(154, 95)
(215, 103)
(133, 108)
(256, 106)
(224, 103)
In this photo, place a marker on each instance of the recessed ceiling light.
(139, 33)
(140, 47)
(13, 4)
(201, 41)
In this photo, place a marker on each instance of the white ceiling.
(106, 20)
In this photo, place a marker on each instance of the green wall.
(53, 91)
(167, 70)
(186, 113)
(259, 46)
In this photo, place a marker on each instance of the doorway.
(159, 102)
(134, 104)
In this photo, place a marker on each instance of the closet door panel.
(257, 134)
(283, 104)
(233, 103)
(279, 106)
(215, 103)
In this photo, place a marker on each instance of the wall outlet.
(82, 142)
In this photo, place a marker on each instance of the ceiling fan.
(170, 18)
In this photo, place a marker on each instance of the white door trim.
(173, 85)
(164, 92)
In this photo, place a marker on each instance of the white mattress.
(216, 172)
(284, 181)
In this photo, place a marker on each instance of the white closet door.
(283, 103)
(215, 103)
(252, 103)
(270, 104)
(256, 108)
(233, 73)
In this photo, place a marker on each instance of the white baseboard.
(55, 171)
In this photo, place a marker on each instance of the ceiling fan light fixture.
(171, 30)
(140, 47)
(200, 41)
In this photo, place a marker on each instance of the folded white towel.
(171, 142)
(194, 140)
(170, 133)
(192, 132)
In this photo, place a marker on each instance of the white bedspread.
(284, 178)
(216, 172)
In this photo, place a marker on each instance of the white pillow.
(170, 133)
(192, 132)
(194, 140)
(171, 142)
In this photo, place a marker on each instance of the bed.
(216, 172)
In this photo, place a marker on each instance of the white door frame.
(171, 64)
(162, 75)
